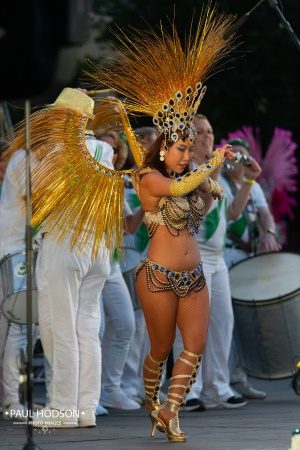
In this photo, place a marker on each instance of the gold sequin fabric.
(161, 279)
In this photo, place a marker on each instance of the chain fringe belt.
(180, 282)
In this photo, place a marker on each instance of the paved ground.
(261, 425)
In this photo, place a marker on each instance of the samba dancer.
(171, 283)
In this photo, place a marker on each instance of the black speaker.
(31, 35)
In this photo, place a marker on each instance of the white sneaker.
(87, 418)
(16, 412)
(55, 418)
(101, 411)
(119, 400)
(248, 391)
(230, 403)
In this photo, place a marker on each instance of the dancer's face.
(204, 141)
(178, 156)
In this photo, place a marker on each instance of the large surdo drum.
(265, 292)
(13, 288)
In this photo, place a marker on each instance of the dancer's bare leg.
(192, 320)
(160, 311)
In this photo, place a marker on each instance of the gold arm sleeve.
(191, 180)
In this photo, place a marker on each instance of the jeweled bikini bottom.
(180, 282)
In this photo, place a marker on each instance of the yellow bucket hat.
(77, 100)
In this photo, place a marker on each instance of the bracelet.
(249, 181)
(215, 188)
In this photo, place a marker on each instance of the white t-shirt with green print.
(212, 232)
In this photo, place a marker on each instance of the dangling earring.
(162, 155)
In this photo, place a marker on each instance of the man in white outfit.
(118, 324)
(135, 250)
(12, 240)
(213, 382)
(251, 232)
(135, 247)
(69, 285)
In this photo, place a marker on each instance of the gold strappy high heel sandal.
(152, 390)
(171, 428)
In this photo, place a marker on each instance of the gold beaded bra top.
(176, 213)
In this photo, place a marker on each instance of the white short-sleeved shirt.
(212, 231)
(13, 206)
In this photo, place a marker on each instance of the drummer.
(213, 383)
(252, 232)
(13, 337)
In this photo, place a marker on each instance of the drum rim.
(21, 252)
(272, 300)
(8, 255)
(262, 254)
(269, 301)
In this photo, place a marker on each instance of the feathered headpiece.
(161, 77)
(74, 194)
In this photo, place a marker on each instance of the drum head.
(265, 277)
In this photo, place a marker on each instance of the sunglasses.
(116, 150)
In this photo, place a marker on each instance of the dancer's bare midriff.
(173, 253)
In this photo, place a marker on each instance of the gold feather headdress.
(75, 195)
(161, 77)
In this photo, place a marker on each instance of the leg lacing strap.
(151, 390)
(188, 379)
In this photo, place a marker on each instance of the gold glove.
(191, 180)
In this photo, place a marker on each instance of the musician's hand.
(268, 243)
(253, 170)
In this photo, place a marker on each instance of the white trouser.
(213, 379)
(119, 328)
(233, 256)
(15, 342)
(3, 338)
(237, 374)
(132, 379)
(69, 287)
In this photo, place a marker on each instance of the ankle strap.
(171, 405)
(186, 361)
(156, 371)
(160, 363)
(191, 354)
